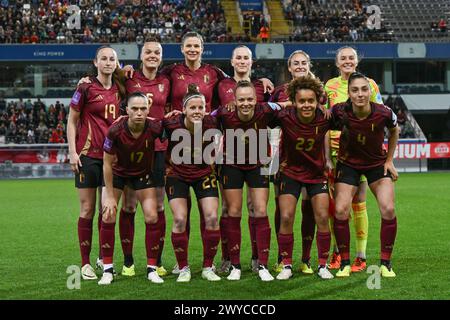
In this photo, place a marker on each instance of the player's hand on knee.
(109, 208)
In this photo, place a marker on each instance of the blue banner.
(86, 52)
(251, 5)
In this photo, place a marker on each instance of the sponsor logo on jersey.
(137, 85)
(98, 98)
(180, 77)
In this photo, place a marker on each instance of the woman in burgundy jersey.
(299, 65)
(304, 130)
(157, 89)
(251, 117)
(361, 152)
(128, 160)
(93, 108)
(187, 167)
(242, 61)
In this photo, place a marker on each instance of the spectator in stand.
(442, 25)
(264, 33)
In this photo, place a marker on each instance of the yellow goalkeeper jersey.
(337, 92)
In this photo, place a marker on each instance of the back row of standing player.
(86, 159)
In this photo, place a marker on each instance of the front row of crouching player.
(129, 153)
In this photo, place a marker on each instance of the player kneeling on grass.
(304, 130)
(361, 152)
(129, 150)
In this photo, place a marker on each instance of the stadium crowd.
(24, 122)
(110, 21)
(127, 21)
(313, 22)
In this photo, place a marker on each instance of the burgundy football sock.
(126, 232)
(152, 238)
(323, 240)
(308, 229)
(286, 243)
(342, 234)
(224, 237)
(85, 239)
(108, 237)
(212, 239)
(180, 246)
(162, 226)
(252, 229)
(262, 227)
(388, 233)
(277, 219)
(234, 239)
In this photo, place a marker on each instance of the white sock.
(153, 267)
(107, 266)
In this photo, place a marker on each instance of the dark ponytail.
(193, 92)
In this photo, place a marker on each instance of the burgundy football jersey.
(226, 91)
(187, 171)
(364, 148)
(206, 78)
(262, 118)
(135, 156)
(303, 146)
(158, 90)
(98, 108)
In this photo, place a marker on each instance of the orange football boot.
(335, 262)
(359, 265)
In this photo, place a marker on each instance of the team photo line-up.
(327, 141)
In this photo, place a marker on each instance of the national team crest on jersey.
(206, 78)
(161, 87)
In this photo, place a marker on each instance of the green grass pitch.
(39, 241)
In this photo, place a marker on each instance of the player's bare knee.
(179, 224)
(211, 220)
(342, 211)
(322, 221)
(151, 218)
(87, 210)
(387, 212)
(129, 207)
